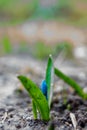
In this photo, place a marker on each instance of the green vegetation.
(74, 13)
(39, 101)
(41, 50)
(50, 79)
(65, 47)
(34, 109)
(69, 12)
(5, 46)
(17, 10)
(51, 126)
(71, 82)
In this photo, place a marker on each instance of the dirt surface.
(18, 114)
(15, 106)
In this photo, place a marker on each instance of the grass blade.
(36, 95)
(34, 109)
(71, 82)
(50, 79)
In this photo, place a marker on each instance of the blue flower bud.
(43, 88)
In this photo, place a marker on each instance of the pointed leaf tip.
(50, 79)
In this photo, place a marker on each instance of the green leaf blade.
(34, 109)
(71, 82)
(36, 94)
(49, 79)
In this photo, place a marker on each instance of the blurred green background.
(14, 13)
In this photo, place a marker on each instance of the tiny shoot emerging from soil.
(41, 98)
(38, 99)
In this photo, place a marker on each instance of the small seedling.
(41, 98)
(38, 99)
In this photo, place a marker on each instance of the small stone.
(18, 126)
(81, 123)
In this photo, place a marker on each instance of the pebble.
(18, 126)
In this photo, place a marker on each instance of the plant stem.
(34, 109)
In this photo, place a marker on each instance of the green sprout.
(71, 82)
(41, 98)
(50, 79)
(38, 99)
